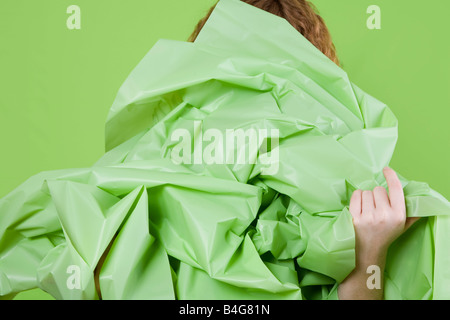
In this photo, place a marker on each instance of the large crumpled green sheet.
(224, 231)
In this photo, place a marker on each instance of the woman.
(139, 225)
(378, 219)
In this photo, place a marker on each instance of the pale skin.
(378, 219)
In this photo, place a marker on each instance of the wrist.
(371, 256)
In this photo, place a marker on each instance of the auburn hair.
(301, 14)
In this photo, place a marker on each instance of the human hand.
(379, 218)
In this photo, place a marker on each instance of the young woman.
(138, 226)
(378, 218)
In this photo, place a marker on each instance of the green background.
(58, 84)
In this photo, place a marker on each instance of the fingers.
(396, 196)
(355, 204)
(379, 216)
(381, 198)
(361, 201)
(368, 204)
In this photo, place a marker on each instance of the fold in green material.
(234, 230)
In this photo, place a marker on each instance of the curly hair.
(301, 14)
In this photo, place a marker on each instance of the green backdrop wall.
(57, 84)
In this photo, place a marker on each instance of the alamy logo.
(74, 279)
(74, 20)
(374, 280)
(234, 146)
(374, 20)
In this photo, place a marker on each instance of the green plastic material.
(224, 230)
